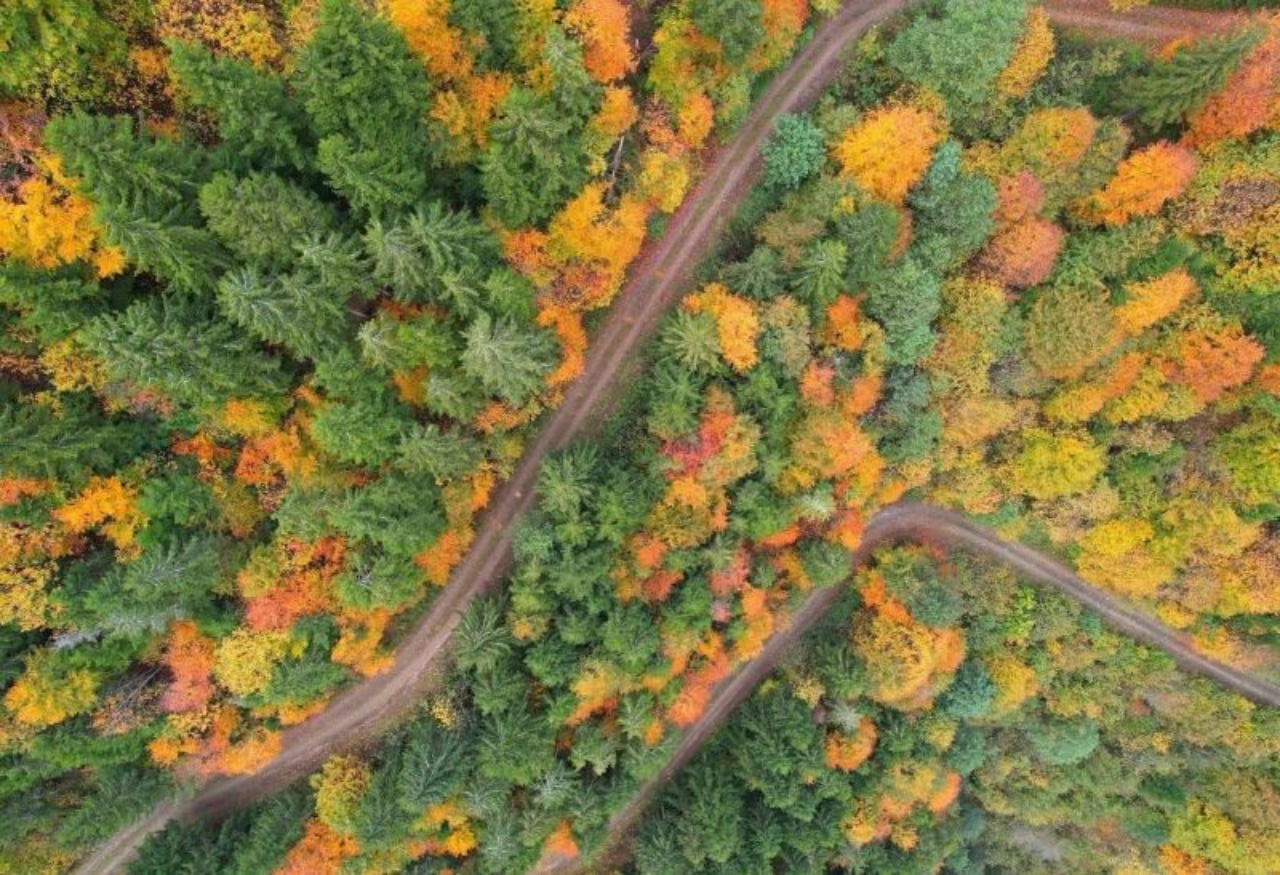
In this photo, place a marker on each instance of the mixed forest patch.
(979, 273)
(287, 286)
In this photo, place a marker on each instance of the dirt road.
(1154, 24)
(359, 714)
(901, 522)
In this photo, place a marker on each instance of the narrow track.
(902, 522)
(356, 716)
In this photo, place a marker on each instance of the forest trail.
(359, 714)
(1155, 24)
(915, 522)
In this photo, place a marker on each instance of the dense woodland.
(286, 288)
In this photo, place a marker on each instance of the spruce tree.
(1176, 87)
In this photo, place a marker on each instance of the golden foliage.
(737, 325)
(1150, 301)
(50, 224)
(1030, 57)
(46, 694)
(246, 659)
(889, 150)
(1143, 183)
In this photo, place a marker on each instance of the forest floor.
(914, 522)
(359, 714)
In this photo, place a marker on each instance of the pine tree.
(286, 310)
(259, 124)
(187, 257)
(50, 305)
(509, 361)
(1173, 89)
(367, 97)
(136, 176)
(534, 161)
(182, 349)
(734, 24)
(262, 217)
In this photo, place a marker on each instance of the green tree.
(367, 96)
(1171, 89)
(794, 153)
(1063, 742)
(58, 50)
(735, 24)
(133, 175)
(428, 254)
(259, 123)
(534, 160)
(960, 53)
(905, 301)
(366, 431)
(507, 360)
(819, 278)
(263, 217)
(186, 352)
(70, 443)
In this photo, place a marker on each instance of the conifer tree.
(1172, 89)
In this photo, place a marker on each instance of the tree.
(367, 97)
(604, 28)
(70, 444)
(262, 218)
(189, 354)
(1246, 101)
(1251, 453)
(1064, 742)
(133, 175)
(1023, 254)
(1030, 57)
(260, 125)
(819, 278)
(60, 50)
(961, 53)
(794, 153)
(1175, 87)
(508, 360)
(433, 254)
(905, 302)
(1142, 184)
(51, 689)
(953, 211)
(971, 693)
(889, 150)
(734, 24)
(1050, 465)
(534, 160)
(284, 311)
(1068, 330)
(737, 326)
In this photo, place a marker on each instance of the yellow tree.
(889, 150)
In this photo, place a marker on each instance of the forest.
(289, 287)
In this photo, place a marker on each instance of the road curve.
(357, 715)
(901, 522)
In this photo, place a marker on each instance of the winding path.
(357, 715)
(903, 522)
